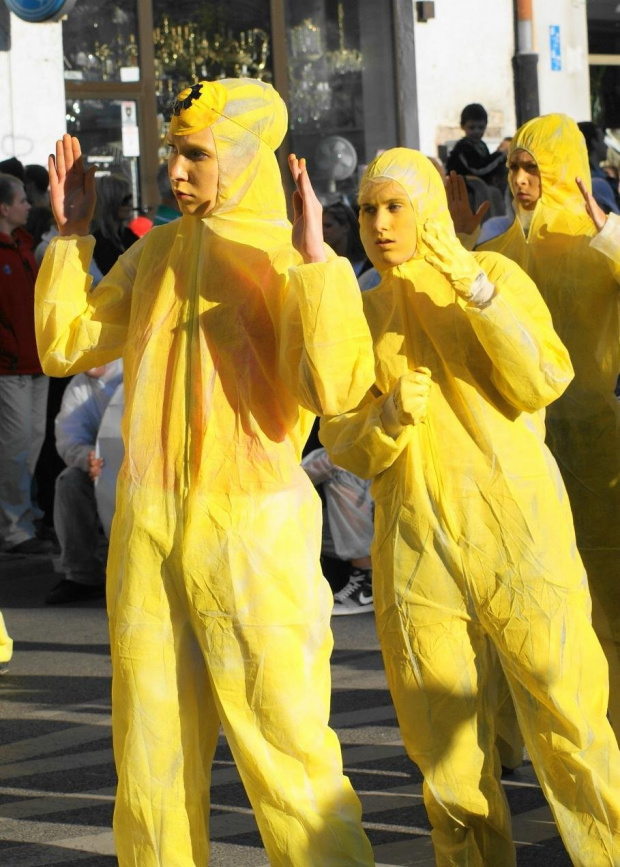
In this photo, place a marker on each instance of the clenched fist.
(408, 401)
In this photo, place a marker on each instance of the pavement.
(57, 778)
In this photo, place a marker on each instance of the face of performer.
(193, 171)
(524, 179)
(387, 225)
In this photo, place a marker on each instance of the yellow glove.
(407, 402)
(446, 253)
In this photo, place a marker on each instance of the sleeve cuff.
(607, 241)
(482, 291)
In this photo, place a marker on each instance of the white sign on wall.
(129, 129)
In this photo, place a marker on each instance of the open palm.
(307, 215)
(72, 189)
(464, 219)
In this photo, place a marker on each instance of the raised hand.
(596, 214)
(447, 255)
(72, 188)
(307, 215)
(464, 219)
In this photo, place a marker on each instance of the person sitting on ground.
(347, 531)
(75, 509)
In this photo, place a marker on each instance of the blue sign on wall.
(555, 48)
(37, 11)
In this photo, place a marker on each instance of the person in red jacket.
(23, 387)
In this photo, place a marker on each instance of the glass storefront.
(100, 41)
(340, 87)
(196, 41)
(108, 133)
(126, 61)
(604, 49)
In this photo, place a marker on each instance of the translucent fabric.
(474, 555)
(218, 610)
(6, 642)
(579, 279)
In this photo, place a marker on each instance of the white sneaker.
(356, 596)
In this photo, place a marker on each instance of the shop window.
(195, 41)
(100, 42)
(108, 133)
(342, 105)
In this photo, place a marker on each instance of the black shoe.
(356, 596)
(70, 591)
(31, 546)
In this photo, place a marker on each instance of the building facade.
(358, 76)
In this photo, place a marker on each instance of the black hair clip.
(180, 104)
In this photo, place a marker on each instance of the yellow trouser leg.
(165, 730)
(440, 668)
(272, 687)
(268, 662)
(602, 567)
(6, 642)
(509, 740)
(558, 675)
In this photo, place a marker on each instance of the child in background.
(471, 156)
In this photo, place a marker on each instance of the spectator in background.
(14, 167)
(36, 182)
(75, 509)
(604, 188)
(40, 221)
(341, 232)
(471, 157)
(347, 504)
(347, 530)
(168, 208)
(23, 388)
(109, 226)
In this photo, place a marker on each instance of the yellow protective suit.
(579, 280)
(6, 642)
(474, 550)
(218, 610)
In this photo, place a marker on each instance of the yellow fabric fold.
(218, 609)
(474, 556)
(578, 276)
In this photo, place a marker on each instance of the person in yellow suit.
(572, 252)
(6, 646)
(231, 341)
(474, 551)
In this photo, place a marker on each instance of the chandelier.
(184, 54)
(344, 60)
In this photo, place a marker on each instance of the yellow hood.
(558, 146)
(421, 181)
(249, 121)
